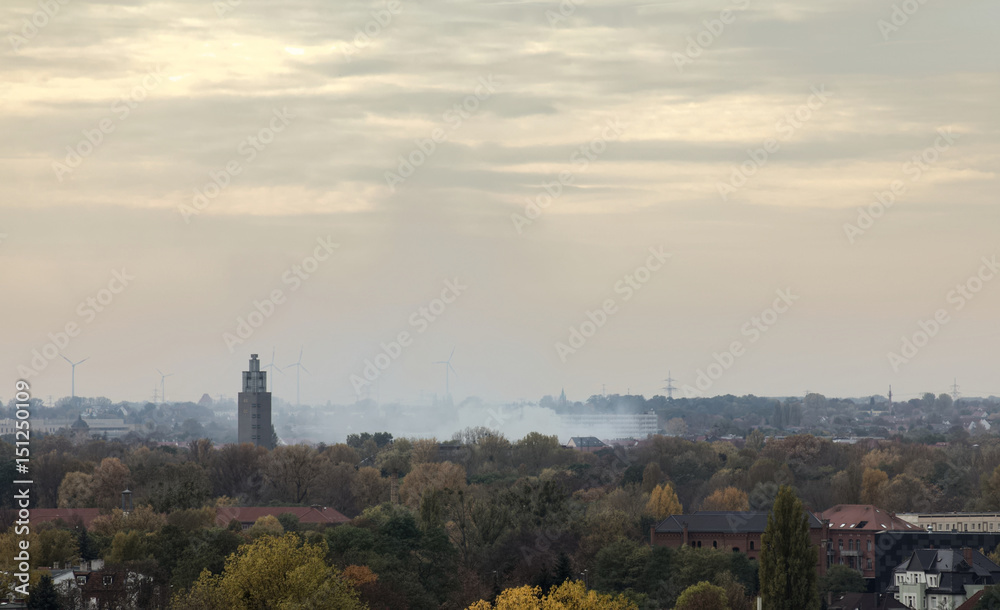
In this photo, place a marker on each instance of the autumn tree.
(430, 476)
(663, 502)
(291, 471)
(729, 498)
(110, 480)
(570, 594)
(788, 557)
(368, 487)
(703, 596)
(873, 482)
(273, 572)
(651, 476)
(76, 490)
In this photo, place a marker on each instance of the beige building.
(954, 522)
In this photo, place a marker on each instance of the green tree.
(788, 557)
(703, 596)
(841, 579)
(43, 595)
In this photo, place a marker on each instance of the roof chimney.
(967, 555)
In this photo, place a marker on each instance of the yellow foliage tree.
(663, 502)
(267, 525)
(143, 519)
(873, 483)
(571, 595)
(728, 498)
(273, 572)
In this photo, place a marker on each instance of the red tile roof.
(306, 514)
(69, 515)
(865, 518)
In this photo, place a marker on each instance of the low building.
(307, 515)
(586, 443)
(955, 522)
(852, 534)
(612, 425)
(72, 516)
(935, 579)
(730, 531)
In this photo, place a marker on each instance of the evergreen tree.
(564, 569)
(788, 557)
(43, 595)
(86, 545)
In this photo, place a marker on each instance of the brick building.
(731, 531)
(852, 534)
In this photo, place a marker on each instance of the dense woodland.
(444, 525)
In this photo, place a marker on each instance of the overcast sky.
(736, 139)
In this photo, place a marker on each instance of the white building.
(941, 579)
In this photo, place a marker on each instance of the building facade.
(942, 579)
(738, 532)
(853, 528)
(254, 407)
(955, 522)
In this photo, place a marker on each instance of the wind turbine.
(298, 368)
(73, 374)
(274, 368)
(163, 394)
(448, 368)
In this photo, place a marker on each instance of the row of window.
(715, 544)
(964, 527)
(853, 545)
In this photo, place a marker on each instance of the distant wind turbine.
(274, 368)
(163, 393)
(73, 374)
(299, 368)
(448, 369)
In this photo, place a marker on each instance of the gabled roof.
(69, 515)
(955, 570)
(865, 517)
(735, 522)
(586, 441)
(306, 514)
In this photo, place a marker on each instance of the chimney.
(684, 539)
(967, 555)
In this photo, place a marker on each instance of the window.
(751, 545)
(81, 580)
(108, 580)
(869, 546)
(715, 544)
(699, 544)
(850, 545)
(840, 545)
(736, 549)
(869, 564)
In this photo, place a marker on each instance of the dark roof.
(586, 441)
(722, 521)
(69, 515)
(951, 564)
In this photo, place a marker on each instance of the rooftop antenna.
(954, 390)
(274, 367)
(670, 386)
(73, 373)
(448, 368)
(298, 369)
(163, 393)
